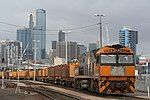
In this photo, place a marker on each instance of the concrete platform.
(141, 95)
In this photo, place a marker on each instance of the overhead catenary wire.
(80, 29)
(7, 31)
(53, 33)
(12, 24)
(65, 29)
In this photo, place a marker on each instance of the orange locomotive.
(110, 70)
(106, 70)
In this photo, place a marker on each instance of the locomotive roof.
(114, 49)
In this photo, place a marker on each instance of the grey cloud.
(74, 13)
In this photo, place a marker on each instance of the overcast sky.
(63, 14)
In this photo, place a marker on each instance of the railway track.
(124, 97)
(44, 93)
(55, 95)
(40, 89)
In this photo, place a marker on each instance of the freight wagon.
(109, 70)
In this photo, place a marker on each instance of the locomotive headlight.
(104, 78)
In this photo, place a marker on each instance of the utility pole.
(20, 59)
(2, 87)
(100, 31)
(66, 34)
(3, 62)
(66, 49)
(35, 48)
(18, 86)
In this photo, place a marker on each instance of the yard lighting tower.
(66, 34)
(35, 48)
(100, 25)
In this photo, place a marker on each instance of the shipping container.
(0, 74)
(64, 71)
(23, 73)
(39, 72)
(44, 72)
(6, 74)
(51, 71)
(14, 74)
(73, 69)
(58, 71)
(31, 73)
(10, 74)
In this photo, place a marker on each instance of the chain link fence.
(142, 82)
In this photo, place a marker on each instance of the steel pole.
(2, 80)
(34, 59)
(2, 87)
(101, 34)
(66, 49)
(18, 86)
(5, 51)
(100, 29)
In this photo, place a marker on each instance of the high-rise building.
(40, 34)
(25, 36)
(71, 50)
(54, 44)
(31, 22)
(92, 46)
(61, 36)
(129, 38)
(10, 51)
(81, 49)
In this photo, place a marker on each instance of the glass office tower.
(40, 34)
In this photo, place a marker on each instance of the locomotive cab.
(116, 69)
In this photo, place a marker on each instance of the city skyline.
(81, 13)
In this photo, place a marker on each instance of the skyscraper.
(92, 46)
(61, 36)
(25, 36)
(40, 34)
(129, 38)
(71, 48)
(31, 23)
(10, 52)
(81, 49)
(54, 44)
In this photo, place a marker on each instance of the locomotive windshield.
(125, 58)
(121, 59)
(108, 58)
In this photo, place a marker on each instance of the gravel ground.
(9, 94)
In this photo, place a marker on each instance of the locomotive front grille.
(117, 71)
